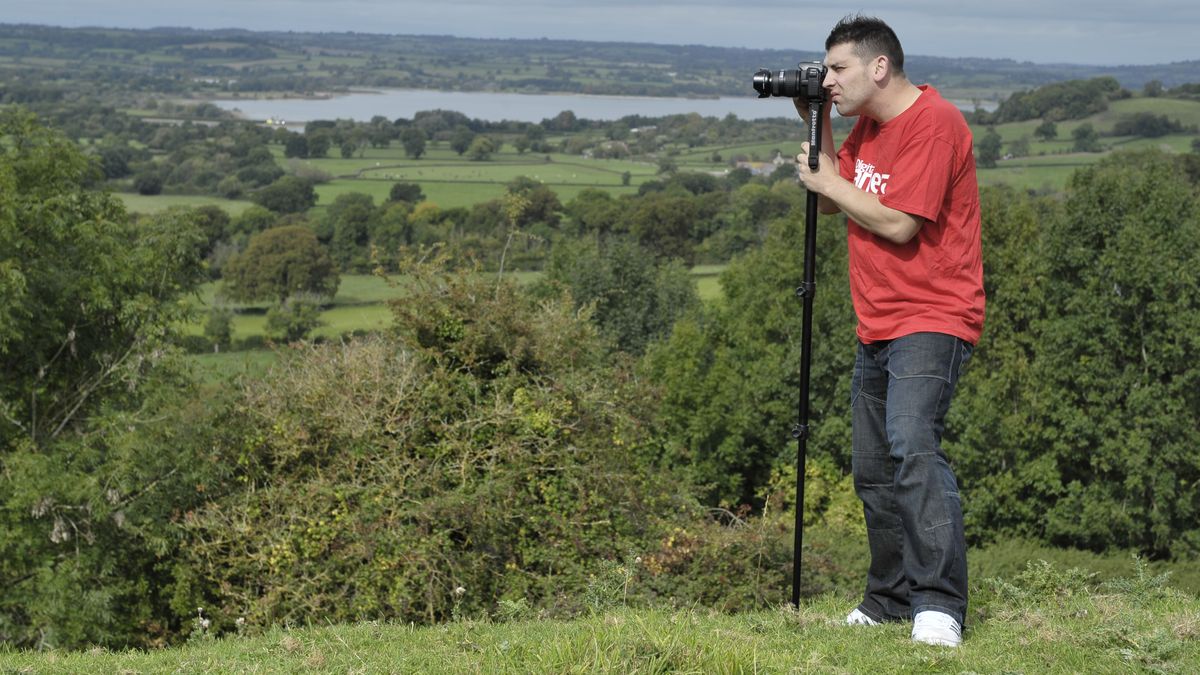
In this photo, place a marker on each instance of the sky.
(1100, 32)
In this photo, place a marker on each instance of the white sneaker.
(936, 628)
(857, 618)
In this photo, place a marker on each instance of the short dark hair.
(871, 37)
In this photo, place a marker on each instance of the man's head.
(865, 62)
(869, 38)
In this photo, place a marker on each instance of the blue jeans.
(900, 393)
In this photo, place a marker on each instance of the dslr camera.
(804, 81)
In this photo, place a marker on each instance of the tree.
(351, 217)
(594, 212)
(279, 263)
(218, 327)
(406, 192)
(636, 296)
(542, 204)
(413, 140)
(319, 142)
(295, 146)
(148, 182)
(728, 371)
(252, 220)
(294, 318)
(214, 222)
(987, 150)
(460, 140)
(481, 148)
(1146, 124)
(1072, 432)
(287, 195)
(663, 223)
(1047, 130)
(1019, 147)
(1086, 138)
(90, 300)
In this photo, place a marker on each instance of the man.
(905, 177)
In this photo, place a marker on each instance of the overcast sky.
(1042, 31)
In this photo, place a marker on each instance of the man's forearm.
(865, 209)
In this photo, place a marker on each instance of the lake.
(497, 107)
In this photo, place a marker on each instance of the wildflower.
(460, 591)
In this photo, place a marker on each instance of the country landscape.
(442, 392)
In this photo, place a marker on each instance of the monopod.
(805, 292)
(805, 82)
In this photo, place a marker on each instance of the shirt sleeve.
(921, 176)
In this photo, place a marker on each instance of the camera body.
(802, 82)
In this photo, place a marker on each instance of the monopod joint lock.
(806, 290)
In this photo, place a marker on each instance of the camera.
(802, 82)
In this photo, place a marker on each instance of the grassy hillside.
(1045, 620)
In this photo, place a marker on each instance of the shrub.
(487, 445)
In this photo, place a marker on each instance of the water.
(497, 107)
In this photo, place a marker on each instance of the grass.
(450, 180)
(1044, 621)
(136, 203)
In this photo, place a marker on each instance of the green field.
(136, 203)
(450, 181)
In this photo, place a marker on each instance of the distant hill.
(252, 61)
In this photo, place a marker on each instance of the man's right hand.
(801, 103)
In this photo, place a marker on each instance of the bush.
(485, 446)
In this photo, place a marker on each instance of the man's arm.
(863, 207)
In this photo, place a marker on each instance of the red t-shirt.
(919, 162)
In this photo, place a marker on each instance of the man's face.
(848, 80)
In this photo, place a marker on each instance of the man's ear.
(881, 67)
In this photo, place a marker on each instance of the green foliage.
(633, 296)
(351, 217)
(485, 447)
(413, 140)
(88, 300)
(729, 373)
(1047, 130)
(482, 148)
(289, 194)
(1147, 125)
(294, 318)
(218, 327)
(1069, 426)
(1071, 100)
(987, 149)
(279, 263)
(1086, 138)
(406, 192)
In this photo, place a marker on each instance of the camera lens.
(781, 83)
(762, 83)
